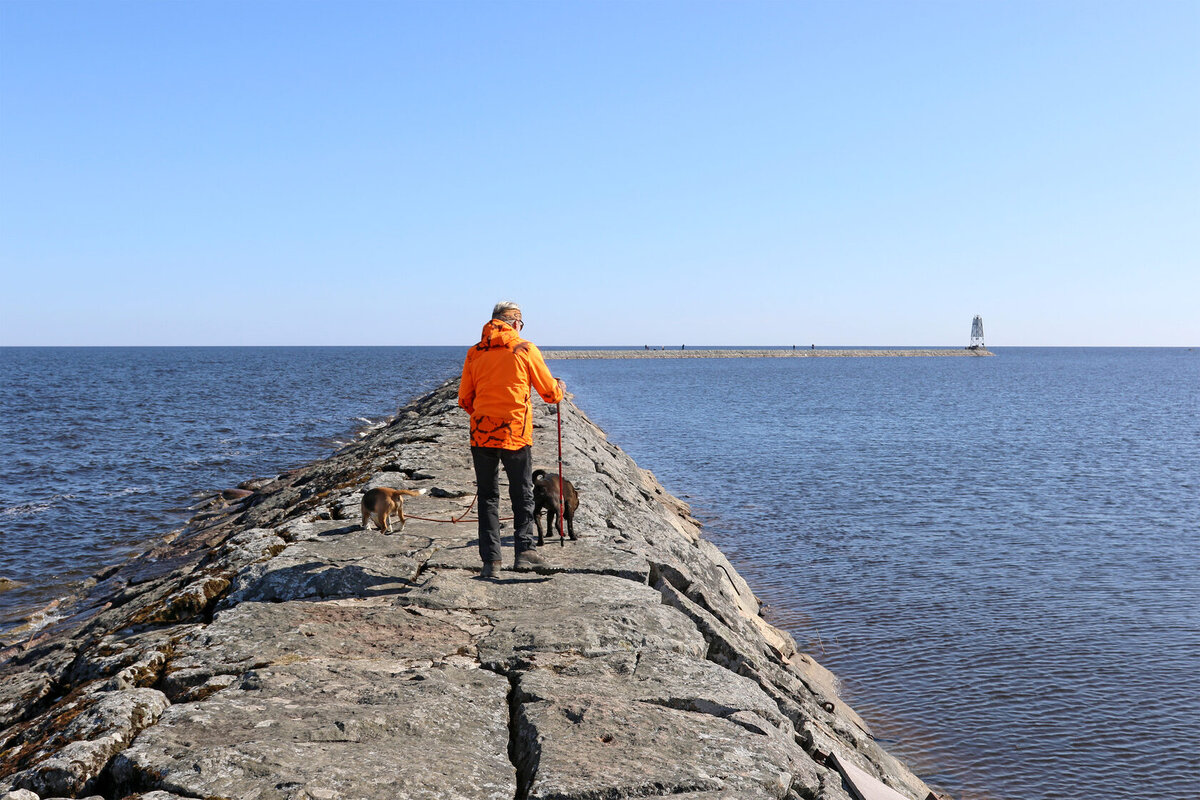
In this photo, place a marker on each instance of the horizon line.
(614, 346)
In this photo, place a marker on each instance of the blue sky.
(842, 173)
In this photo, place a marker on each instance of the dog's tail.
(412, 493)
(538, 474)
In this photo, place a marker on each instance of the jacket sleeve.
(543, 381)
(466, 388)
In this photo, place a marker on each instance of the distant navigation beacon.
(977, 333)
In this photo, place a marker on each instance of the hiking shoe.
(491, 569)
(529, 560)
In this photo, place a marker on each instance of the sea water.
(996, 555)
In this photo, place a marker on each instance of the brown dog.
(545, 496)
(380, 503)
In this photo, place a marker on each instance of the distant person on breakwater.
(496, 378)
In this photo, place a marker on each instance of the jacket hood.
(498, 334)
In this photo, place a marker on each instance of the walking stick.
(562, 501)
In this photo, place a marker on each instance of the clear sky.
(838, 173)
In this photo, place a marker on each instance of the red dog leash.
(460, 518)
(562, 501)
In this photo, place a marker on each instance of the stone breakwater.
(275, 650)
(798, 353)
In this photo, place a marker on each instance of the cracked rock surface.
(275, 650)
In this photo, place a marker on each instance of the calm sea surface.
(997, 555)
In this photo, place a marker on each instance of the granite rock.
(64, 753)
(274, 649)
(352, 729)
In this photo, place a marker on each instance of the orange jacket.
(495, 387)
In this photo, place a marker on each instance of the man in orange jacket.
(495, 385)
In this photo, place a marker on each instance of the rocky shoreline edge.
(275, 650)
(759, 353)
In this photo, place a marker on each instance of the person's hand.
(562, 385)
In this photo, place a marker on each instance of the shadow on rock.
(341, 531)
(318, 580)
(512, 579)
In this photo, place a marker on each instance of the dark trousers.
(518, 465)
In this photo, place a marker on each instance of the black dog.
(545, 496)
